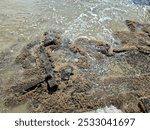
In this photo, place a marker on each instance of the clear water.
(22, 21)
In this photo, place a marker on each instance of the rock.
(66, 73)
(52, 89)
(138, 27)
(103, 50)
(145, 105)
(137, 39)
(26, 86)
(49, 40)
(52, 39)
(133, 26)
(26, 58)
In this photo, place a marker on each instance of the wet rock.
(80, 45)
(77, 48)
(52, 39)
(133, 26)
(45, 60)
(25, 58)
(83, 63)
(49, 40)
(144, 49)
(35, 59)
(145, 105)
(102, 50)
(27, 86)
(137, 39)
(52, 89)
(66, 43)
(138, 27)
(66, 73)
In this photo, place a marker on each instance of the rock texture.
(86, 74)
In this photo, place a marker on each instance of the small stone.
(49, 40)
(66, 73)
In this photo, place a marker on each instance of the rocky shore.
(86, 74)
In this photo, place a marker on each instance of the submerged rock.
(49, 39)
(52, 38)
(66, 73)
(145, 105)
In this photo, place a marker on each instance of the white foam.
(110, 109)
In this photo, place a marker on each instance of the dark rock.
(51, 85)
(52, 89)
(27, 86)
(133, 26)
(26, 59)
(52, 39)
(45, 59)
(66, 73)
(49, 40)
(102, 50)
(145, 105)
(138, 27)
(141, 2)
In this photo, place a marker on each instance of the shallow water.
(22, 21)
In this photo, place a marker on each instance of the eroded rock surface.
(86, 74)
